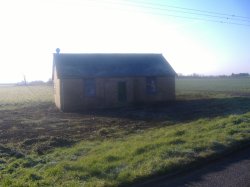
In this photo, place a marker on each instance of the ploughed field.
(40, 145)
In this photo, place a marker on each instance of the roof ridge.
(108, 53)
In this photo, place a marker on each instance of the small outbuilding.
(87, 81)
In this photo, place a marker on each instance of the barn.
(104, 80)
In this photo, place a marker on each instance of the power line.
(204, 19)
(191, 9)
(233, 19)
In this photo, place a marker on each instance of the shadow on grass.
(180, 110)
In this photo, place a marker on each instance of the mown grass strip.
(125, 160)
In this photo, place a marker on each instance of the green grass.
(211, 118)
(114, 162)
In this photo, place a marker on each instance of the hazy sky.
(31, 30)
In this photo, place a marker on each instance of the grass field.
(19, 96)
(212, 87)
(40, 146)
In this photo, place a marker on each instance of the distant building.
(85, 81)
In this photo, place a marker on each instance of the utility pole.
(24, 80)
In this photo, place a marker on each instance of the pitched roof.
(111, 65)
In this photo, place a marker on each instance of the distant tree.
(49, 82)
(180, 75)
(37, 82)
(240, 75)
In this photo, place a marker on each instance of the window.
(151, 85)
(90, 87)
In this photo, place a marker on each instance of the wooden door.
(122, 91)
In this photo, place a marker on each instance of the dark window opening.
(151, 87)
(90, 87)
(122, 91)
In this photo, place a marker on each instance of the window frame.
(151, 85)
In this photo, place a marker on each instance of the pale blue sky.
(31, 30)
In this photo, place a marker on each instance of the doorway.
(122, 91)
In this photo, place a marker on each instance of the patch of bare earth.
(40, 128)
